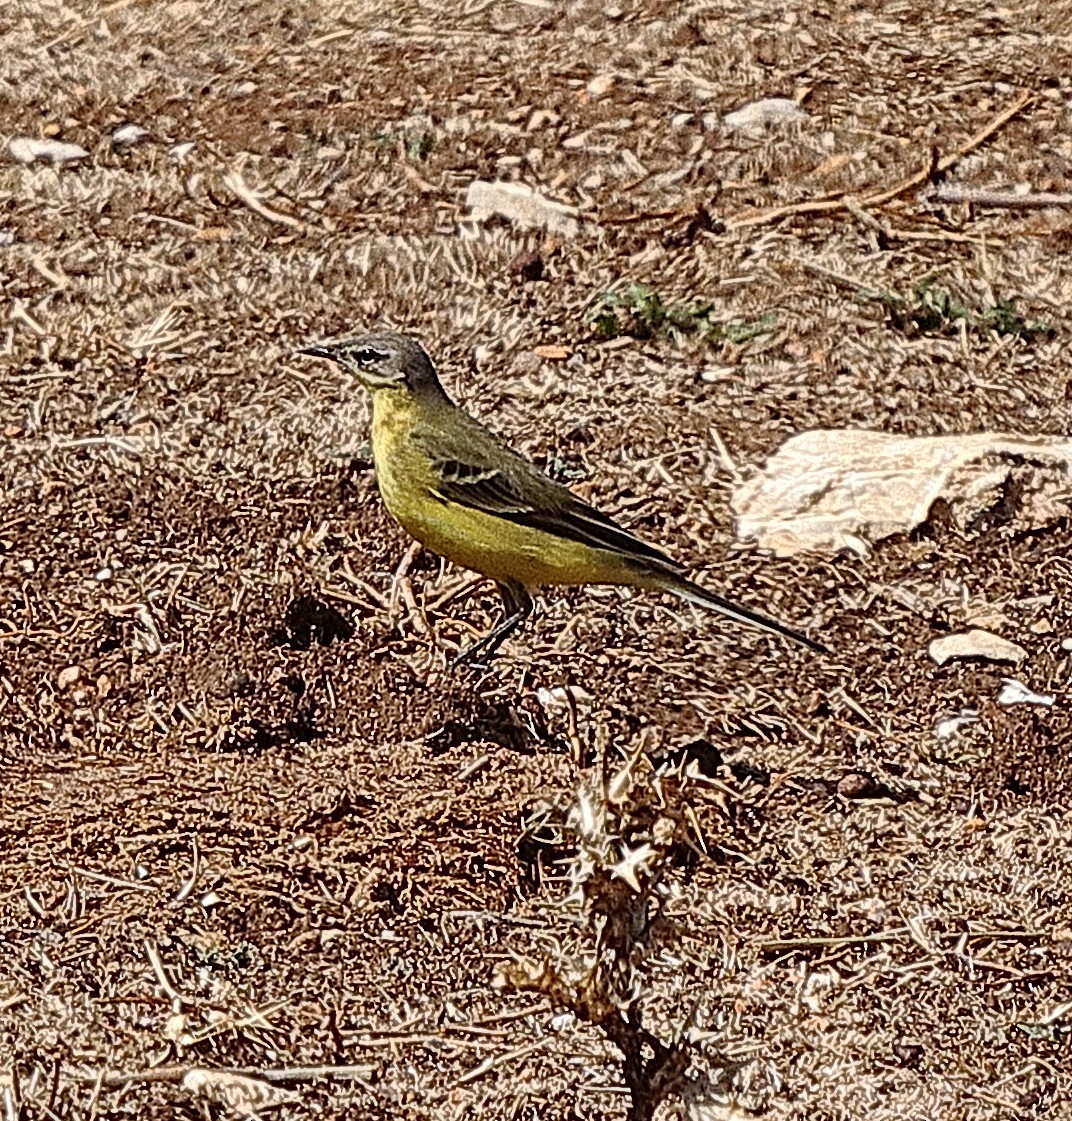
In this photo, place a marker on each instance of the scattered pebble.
(717, 373)
(759, 115)
(179, 152)
(563, 696)
(552, 353)
(948, 726)
(1015, 692)
(975, 643)
(600, 85)
(69, 676)
(541, 118)
(209, 900)
(127, 135)
(1066, 643)
(28, 149)
(858, 784)
(244, 89)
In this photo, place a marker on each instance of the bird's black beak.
(318, 350)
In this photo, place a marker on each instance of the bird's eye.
(369, 355)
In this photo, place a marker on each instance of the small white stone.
(1015, 692)
(28, 149)
(126, 135)
(761, 114)
(949, 725)
(600, 85)
(179, 152)
(541, 118)
(975, 643)
(68, 676)
(244, 89)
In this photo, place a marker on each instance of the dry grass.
(253, 825)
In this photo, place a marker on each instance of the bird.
(452, 484)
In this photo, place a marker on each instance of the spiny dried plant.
(626, 832)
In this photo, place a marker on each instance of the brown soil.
(252, 821)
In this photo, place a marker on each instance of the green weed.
(932, 310)
(639, 311)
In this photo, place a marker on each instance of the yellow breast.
(498, 548)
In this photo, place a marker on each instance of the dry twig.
(1001, 200)
(850, 203)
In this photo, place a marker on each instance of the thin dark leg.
(517, 607)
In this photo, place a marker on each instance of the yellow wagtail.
(462, 493)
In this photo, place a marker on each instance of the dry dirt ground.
(252, 823)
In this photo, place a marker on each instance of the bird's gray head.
(381, 360)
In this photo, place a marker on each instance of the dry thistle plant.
(626, 831)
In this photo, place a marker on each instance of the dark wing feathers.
(583, 523)
(483, 488)
(477, 471)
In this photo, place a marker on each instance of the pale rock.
(949, 726)
(760, 115)
(248, 1097)
(542, 118)
(833, 489)
(126, 136)
(69, 676)
(521, 205)
(975, 643)
(576, 142)
(29, 149)
(1015, 692)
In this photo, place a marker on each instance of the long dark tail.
(685, 588)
